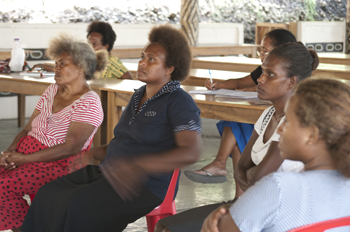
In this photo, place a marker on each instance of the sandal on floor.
(205, 179)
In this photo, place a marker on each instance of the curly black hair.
(178, 53)
(106, 30)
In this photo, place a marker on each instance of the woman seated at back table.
(316, 132)
(63, 124)
(101, 36)
(158, 132)
(283, 68)
(234, 135)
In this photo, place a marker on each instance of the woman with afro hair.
(158, 132)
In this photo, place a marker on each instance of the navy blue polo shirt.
(152, 129)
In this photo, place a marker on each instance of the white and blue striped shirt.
(284, 201)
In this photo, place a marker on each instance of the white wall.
(134, 35)
(8, 106)
(221, 33)
(322, 32)
(310, 32)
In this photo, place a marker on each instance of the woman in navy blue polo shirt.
(158, 132)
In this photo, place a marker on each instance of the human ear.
(313, 135)
(169, 71)
(81, 70)
(293, 81)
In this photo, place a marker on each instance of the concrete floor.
(190, 194)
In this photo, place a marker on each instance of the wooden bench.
(23, 85)
(242, 64)
(197, 77)
(202, 50)
(334, 58)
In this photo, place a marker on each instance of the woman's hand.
(212, 221)
(124, 175)
(3, 159)
(13, 159)
(45, 67)
(210, 85)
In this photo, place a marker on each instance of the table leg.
(97, 137)
(113, 114)
(103, 127)
(254, 54)
(21, 105)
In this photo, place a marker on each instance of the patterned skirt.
(27, 179)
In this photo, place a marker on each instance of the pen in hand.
(211, 79)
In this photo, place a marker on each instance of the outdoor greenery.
(247, 12)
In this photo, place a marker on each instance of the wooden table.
(334, 58)
(242, 64)
(4, 54)
(230, 109)
(238, 64)
(225, 50)
(222, 70)
(23, 85)
(201, 50)
(197, 77)
(115, 94)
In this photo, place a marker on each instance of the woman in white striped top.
(59, 131)
(316, 132)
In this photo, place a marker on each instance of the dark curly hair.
(280, 36)
(326, 104)
(178, 53)
(297, 59)
(106, 30)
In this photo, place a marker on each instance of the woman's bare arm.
(77, 135)
(270, 163)
(239, 83)
(220, 220)
(245, 163)
(46, 67)
(127, 75)
(118, 170)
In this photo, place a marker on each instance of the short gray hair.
(83, 55)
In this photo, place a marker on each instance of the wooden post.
(21, 106)
(189, 19)
(347, 40)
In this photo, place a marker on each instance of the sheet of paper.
(48, 74)
(37, 74)
(227, 93)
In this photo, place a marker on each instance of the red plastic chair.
(31, 196)
(325, 225)
(167, 208)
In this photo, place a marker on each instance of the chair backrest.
(169, 197)
(322, 226)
